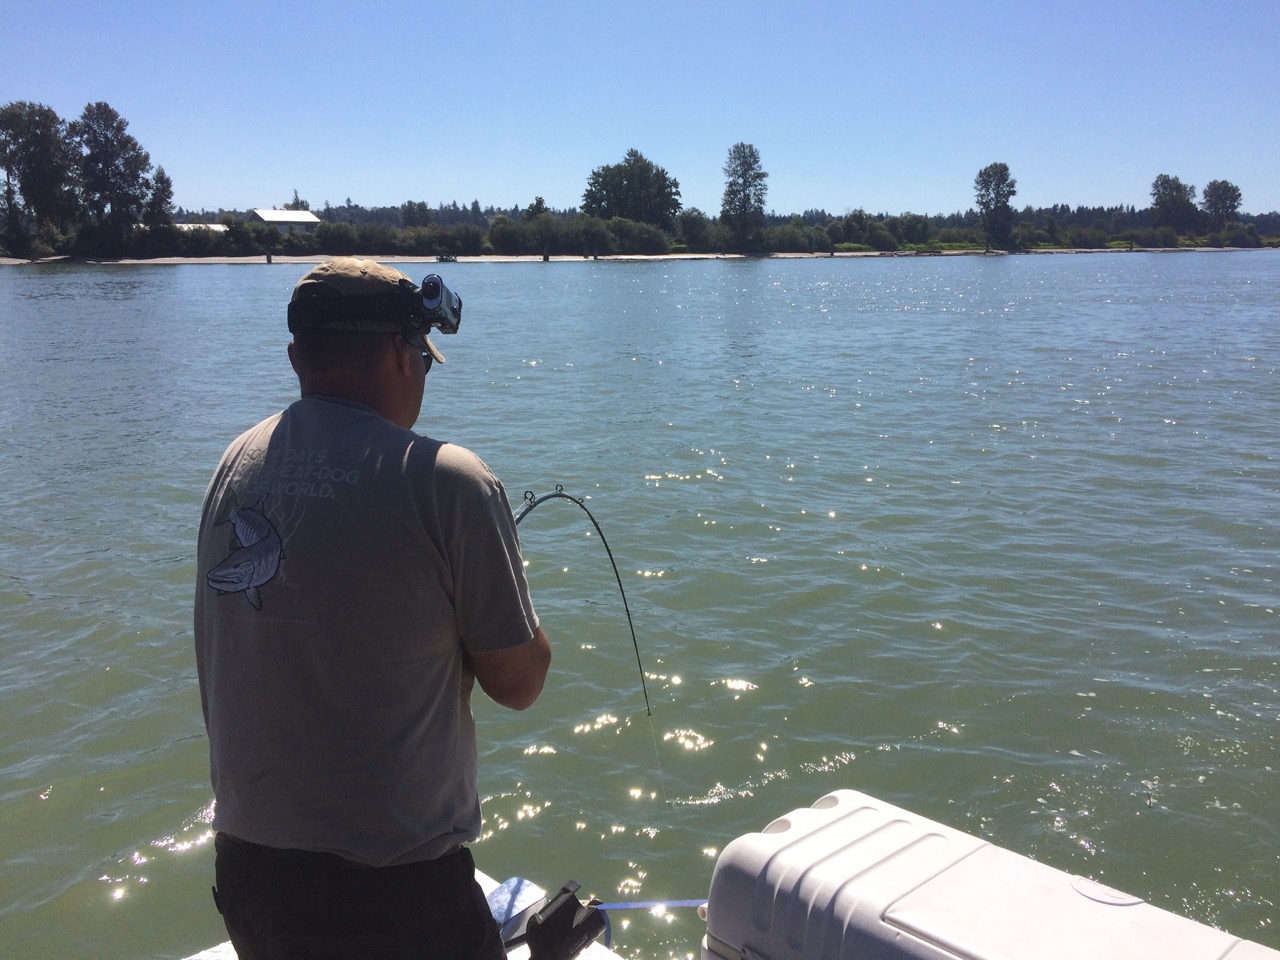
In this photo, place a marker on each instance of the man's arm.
(513, 677)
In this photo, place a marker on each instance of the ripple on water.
(993, 540)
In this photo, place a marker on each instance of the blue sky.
(888, 106)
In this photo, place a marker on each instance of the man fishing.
(354, 580)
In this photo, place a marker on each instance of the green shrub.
(788, 238)
(1241, 235)
(337, 239)
(463, 240)
(300, 243)
(880, 238)
(507, 237)
(640, 239)
(1084, 238)
(961, 238)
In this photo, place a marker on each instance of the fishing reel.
(555, 929)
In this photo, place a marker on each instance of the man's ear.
(404, 356)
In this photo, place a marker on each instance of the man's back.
(355, 580)
(334, 550)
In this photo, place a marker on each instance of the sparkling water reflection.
(992, 538)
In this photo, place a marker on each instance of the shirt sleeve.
(490, 592)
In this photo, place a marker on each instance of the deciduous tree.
(1221, 202)
(635, 189)
(695, 228)
(113, 173)
(40, 166)
(593, 236)
(994, 188)
(14, 241)
(158, 211)
(541, 228)
(742, 205)
(1173, 204)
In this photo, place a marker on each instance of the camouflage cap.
(350, 293)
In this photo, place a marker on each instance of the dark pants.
(295, 905)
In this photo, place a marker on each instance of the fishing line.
(662, 905)
(531, 501)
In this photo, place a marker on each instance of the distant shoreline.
(494, 258)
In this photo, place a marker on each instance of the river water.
(992, 538)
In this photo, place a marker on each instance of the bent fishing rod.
(531, 501)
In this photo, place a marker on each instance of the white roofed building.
(288, 220)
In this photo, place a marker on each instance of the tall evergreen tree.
(415, 213)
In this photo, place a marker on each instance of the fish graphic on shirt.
(257, 559)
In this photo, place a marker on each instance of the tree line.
(82, 186)
(1172, 216)
(87, 188)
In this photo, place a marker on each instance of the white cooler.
(857, 879)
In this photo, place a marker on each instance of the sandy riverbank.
(394, 258)
(491, 258)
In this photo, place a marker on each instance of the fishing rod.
(531, 501)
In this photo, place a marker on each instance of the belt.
(316, 858)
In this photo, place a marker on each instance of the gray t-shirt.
(345, 566)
